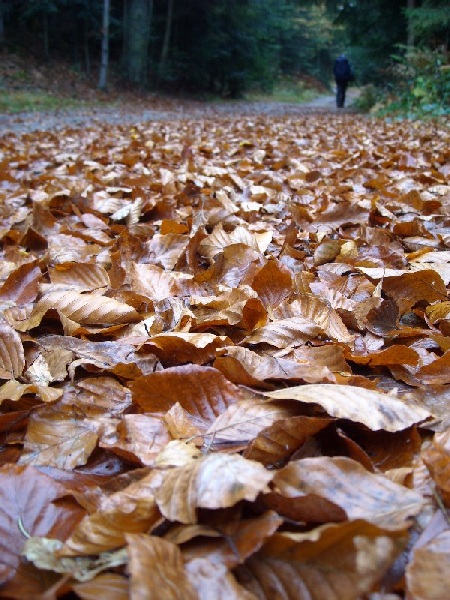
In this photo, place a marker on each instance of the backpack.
(342, 70)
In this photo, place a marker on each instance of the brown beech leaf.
(374, 409)
(43, 552)
(232, 538)
(184, 489)
(12, 358)
(317, 310)
(28, 507)
(178, 453)
(107, 355)
(241, 422)
(395, 355)
(213, 580)
(152, 281)
(427, 574)
(294, 331)
(326, 488)
(139, 436)
(437, 458)
(202, 391)
(328, 355)
(240, 306)
(280, 440)
(82, 277)
(245, 367)
(57, 439)
(165, 250)
(178, 348)
(436, 372)
(331, 562)
(409, 289)
(86, 309)
(273, 283)
(99, 395)
(22, 285)
(156, 569)
(131, 510)
(105, 585)
(179, 423)
(437, 261)
(13, 390)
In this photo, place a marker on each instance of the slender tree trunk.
(125, 35)
(136, 44)
(411, 40)
(105, 46)
(167, 34)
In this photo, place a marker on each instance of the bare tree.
(105, 46)
(167, 33)
(137, 20)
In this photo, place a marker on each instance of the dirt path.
(159, 111)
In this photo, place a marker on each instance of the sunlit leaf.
(374, 409)
(334, 489)
(57, 439)
(187, 488)
(156, 567)
(12, 358)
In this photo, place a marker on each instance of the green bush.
(420, 84)
(368, 98)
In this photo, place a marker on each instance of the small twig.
(21, 526)
(441, 505)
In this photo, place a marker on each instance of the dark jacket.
(342, 70)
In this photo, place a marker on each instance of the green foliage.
(309, 41)
(430, 21)
(369, 97)
(374, 28)
(24, 101)
(422, 84)
(225, 47)
(286, 89)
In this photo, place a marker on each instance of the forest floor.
(161, 109)
(224, 350)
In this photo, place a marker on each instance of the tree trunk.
(167, 33)
(105, 46)
(137, 38)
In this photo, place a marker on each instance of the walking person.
(343, 73)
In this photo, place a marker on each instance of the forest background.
(232, 48)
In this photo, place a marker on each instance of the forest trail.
(161, 110)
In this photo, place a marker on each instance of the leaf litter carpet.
(225, 360)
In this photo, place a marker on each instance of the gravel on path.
(78, 118)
